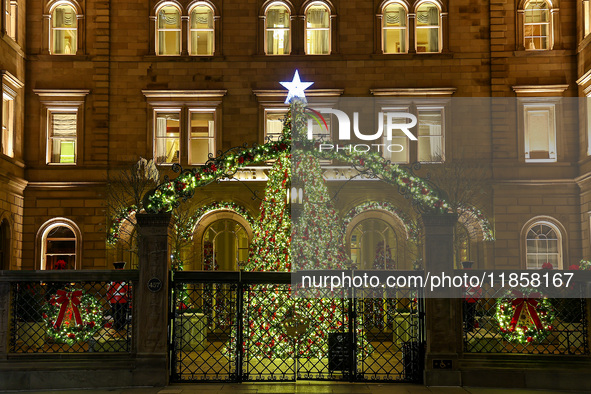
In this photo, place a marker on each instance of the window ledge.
(184, 58)
(547, 53)
(60, 58)
(407, 56)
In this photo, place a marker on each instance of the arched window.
(428, 28)
(543, 245)
(277, 29)
(373, 245)
(317, 29)
(537, 25)
(4, 245)
(63, 30)
(225, 245)
(168, 30)
(201, 30)
(394, 28)
(59, 246)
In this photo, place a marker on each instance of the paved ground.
(305, 387)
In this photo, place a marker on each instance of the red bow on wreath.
(65, 299)
(531, 303)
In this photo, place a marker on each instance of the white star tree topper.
(296, 88)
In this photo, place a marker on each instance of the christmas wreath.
(71, 316)
(525, 317)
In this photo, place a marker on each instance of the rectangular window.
(540, 133)
(431, 147)
(167, 136)
(201, 136)
(274, 123)
(10, 9)
(396, 150)
(586, 18)
(61, 136)
(8, 115)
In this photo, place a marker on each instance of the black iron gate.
(232, 327)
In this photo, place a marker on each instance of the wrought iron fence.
(62, 315)
(231, 326)
(502, 321)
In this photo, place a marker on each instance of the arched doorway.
(225, 245)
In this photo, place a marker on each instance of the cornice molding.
(529, 89)
(413, 92)
(309, 93)
(11, 79)
(176, 94)
(61, 92)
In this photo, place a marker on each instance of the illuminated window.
(61, 135)
(64, 30)
(8, 118)
(431, 147)
(277, 30)
(274, 123)
(10, 17)
(543, 245)
(168, 31)
(201, 136)
(318, 29)
(225, 245)
(537, 28)
(397, 149)
(428, 28)
(394, 28)
(540, 132)
(373, 245)
(167, 136)
(201, 38)
(59, 246)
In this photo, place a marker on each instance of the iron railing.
(70, 311)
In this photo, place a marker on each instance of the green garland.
(68, 330)
(524, 318)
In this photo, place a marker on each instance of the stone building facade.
(93, 83)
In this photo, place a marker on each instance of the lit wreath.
(525, 317)
(72, 316)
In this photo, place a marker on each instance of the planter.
(191, 331)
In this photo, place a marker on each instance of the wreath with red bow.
(72, 316)
(525, 317)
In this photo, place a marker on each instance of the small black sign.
(154, 285)
(339, 351)
(442, 364)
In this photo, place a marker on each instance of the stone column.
(150, 302)
(442, 313)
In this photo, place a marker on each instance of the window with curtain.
(543, 245)
(225, 245)
(373, 245)
(540, 132)
(318, 29)
(201, 39)
(201, 136)
(536, 26)
(397, 149)
(394, 28)
(58, 248)
(61, 142)
(8, 115)
(168, 31)
(430, 137)
(274, 124)
(277, 28)
(64, 30)
(167, 136)
(428, 26)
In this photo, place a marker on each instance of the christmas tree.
(277, 324)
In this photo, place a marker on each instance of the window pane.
(428, 15)
(169, 18)
(167, 137)
(277, 20)
(202, 138)
(428, 28)
(277, 16)
(201, 43)
(395, 41)
(318, 16)
(394, 15)
(200, 150)
(318, 42)
(64, 16)
(540, 133)
(396, 150)
(63, 124)
(7, 137)
(202, 18)
(169, 42)
(430, 139)
(274, 125)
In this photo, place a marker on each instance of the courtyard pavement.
(303, 387)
